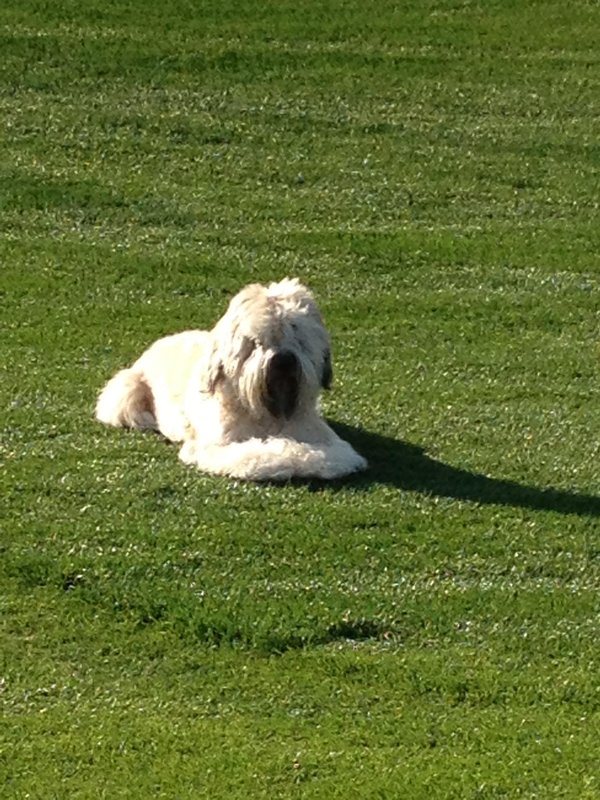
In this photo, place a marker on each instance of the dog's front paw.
(188, 452)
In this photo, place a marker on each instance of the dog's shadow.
(408, 467)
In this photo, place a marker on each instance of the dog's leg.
(187, 454)
(127, 402)
(274, 459)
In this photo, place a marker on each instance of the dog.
(243, 398)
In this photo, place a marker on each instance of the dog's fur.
(243, 398)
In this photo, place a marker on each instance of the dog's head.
(271, 350)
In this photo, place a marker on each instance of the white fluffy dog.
(243, 398)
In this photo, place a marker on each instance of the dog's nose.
(284, 360)
(282, 384)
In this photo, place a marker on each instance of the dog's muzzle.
(282, 384)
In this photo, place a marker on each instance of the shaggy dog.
(242, 398)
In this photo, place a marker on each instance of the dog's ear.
(215, 374)
(327, 373)
(212, 372)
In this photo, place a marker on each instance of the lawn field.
(428, 629)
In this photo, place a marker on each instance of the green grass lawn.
(426, 630)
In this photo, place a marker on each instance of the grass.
(426, 630)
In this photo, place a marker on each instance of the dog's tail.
(127, 402)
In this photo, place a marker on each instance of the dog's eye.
(302, 343)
